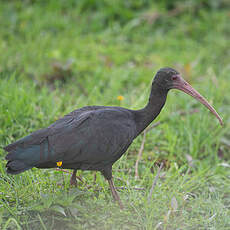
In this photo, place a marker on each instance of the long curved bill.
(181, 84)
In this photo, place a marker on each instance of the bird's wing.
(94, 137)
(38, 136)
(35, 148)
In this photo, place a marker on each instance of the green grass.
(116, 50)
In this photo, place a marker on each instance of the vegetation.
(59, 55)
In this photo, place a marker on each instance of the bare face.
(168, 78)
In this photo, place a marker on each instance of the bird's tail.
(25, 154)
(19, 158)
(16, 167)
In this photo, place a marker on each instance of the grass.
(58, 56)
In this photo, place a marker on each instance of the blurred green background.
(57, 56)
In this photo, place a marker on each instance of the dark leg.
(107, 173)
(94, 177)
(115, 194)
(73, 180)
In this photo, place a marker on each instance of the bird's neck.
(156, 102)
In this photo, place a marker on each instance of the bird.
(95, 137)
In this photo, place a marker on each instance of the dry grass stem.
(155, 181)
(66, 171)
(153, 126)
(139, 155)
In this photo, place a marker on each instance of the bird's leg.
(73, 180)
(115, 194)
(94, 177)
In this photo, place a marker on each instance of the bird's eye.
(174, 77)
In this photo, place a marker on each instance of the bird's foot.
(115, 194)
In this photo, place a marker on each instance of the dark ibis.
(94, 137)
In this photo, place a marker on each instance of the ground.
(57, 56)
